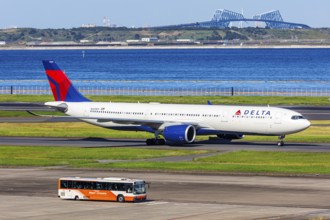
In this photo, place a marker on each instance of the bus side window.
(64, 184)
(70, 184)
(99, 186)
(109, 186)
(121, 187)
(104, 186)
(85, 185)
(74, 184)
(79, 185)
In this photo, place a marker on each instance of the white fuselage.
(207, 119)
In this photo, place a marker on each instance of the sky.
(143, 13)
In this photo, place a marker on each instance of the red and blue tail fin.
(62, 88)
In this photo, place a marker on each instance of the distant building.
(88, 25)
(118, 43)
(32, 43)
(56, 43)
(2, 43)
(184, 40)
(103, 43)
(132, 41)
(85, 41)
(149, 39)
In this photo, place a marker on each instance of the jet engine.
(179, 134)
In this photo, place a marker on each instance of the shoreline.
(167, 47)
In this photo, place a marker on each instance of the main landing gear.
(154, 141)
(280, 142)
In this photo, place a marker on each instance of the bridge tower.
(223, 17)
(273, 19)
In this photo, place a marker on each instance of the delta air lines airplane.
(177, 123)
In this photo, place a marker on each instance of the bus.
(107, 189)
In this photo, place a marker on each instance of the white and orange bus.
(110, 189)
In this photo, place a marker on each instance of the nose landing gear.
(280, 142)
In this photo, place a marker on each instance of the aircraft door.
(278, 118)
(86, 112)
(224, 116)
(147, 114)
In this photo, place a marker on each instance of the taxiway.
(31, 193)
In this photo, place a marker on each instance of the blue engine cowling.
(179, 134)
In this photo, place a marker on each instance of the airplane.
(178, 123)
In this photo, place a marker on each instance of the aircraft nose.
(307, 124)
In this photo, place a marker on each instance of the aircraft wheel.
(160, 142)
(150, 142)
(155, 141)
(280, 143)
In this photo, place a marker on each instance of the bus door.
(68, 193)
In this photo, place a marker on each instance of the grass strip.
(80, 157)
(240, 161)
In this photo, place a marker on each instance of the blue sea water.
(173, 68)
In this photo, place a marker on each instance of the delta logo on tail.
(60, 84)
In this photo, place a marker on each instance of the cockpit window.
(297, 117)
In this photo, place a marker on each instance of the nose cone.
(307, 124)
(302, 125)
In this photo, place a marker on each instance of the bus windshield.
(139, 188)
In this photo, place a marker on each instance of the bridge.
(222, 19)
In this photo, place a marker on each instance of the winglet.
(62, 87)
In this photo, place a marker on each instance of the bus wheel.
(76, 198)
(120, 198)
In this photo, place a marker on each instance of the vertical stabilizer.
(62, 88)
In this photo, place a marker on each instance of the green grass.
(72, 129)
(241, 161)
(80, 157)
(314, 134)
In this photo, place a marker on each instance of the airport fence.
(130, 91)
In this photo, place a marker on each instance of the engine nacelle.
(231, 136)
(179, 134)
